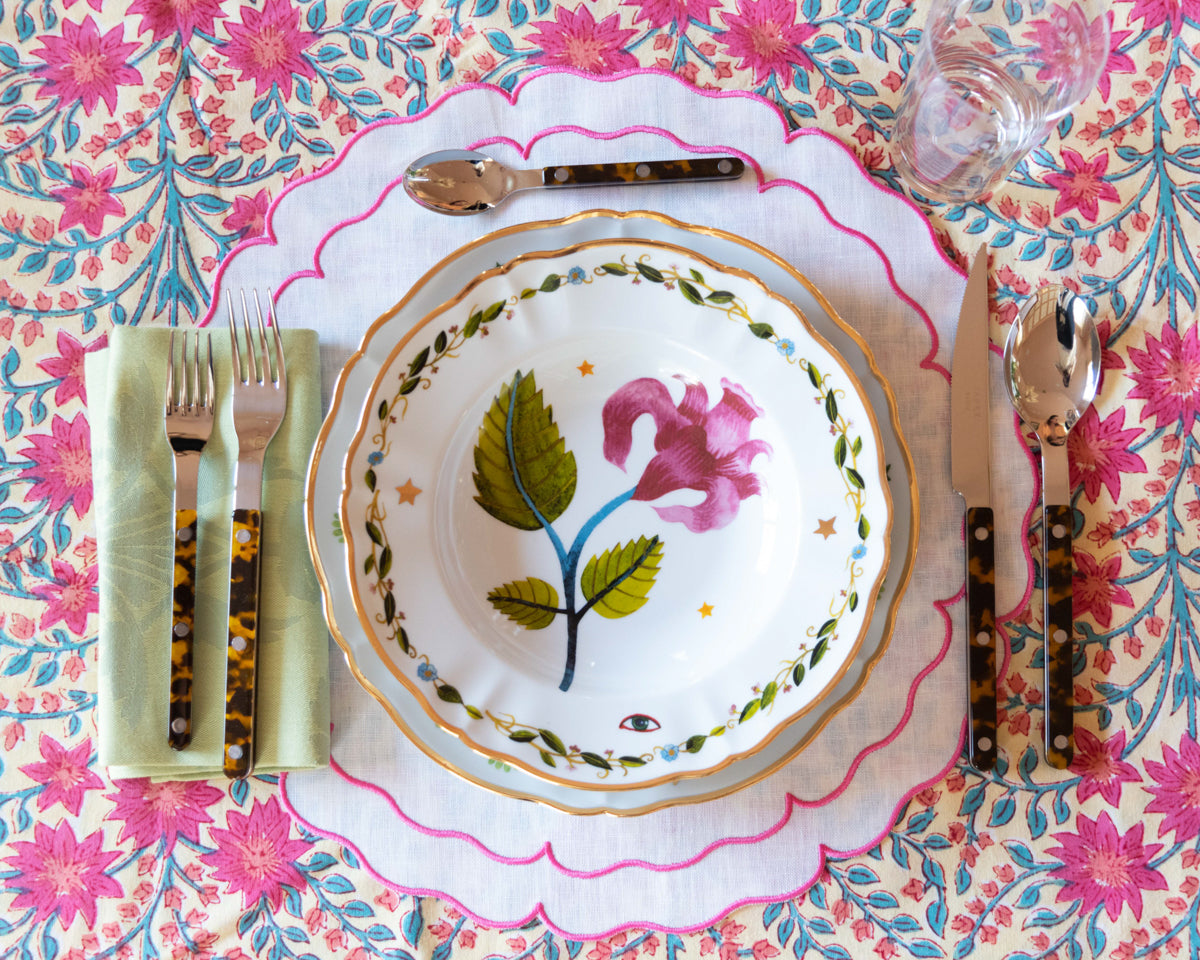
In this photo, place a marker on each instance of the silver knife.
(971, 474)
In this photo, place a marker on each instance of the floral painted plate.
(616, 515)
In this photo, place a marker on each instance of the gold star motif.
(825, 528)
(705, 610)
(585, 368)
(408, 492)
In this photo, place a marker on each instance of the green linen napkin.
(132, 469)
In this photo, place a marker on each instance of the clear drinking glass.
(989, 81)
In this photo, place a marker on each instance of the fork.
(259, 404)
(188, 421)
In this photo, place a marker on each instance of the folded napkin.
(132, 466)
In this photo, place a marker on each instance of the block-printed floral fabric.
(140, 140)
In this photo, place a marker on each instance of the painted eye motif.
(639, 723)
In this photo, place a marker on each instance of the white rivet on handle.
(179, 725)
(1059, 531)
(1061, 741)
(243, 535)
(235, 752)
(984, 743)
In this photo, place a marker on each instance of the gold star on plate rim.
(705, 610)
(408, 492)
(825, 528)
(585, 368)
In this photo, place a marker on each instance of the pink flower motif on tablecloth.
(1099, 453)
(575, 39)
(1082, 185)
(249, 215)
(1177, 794)
(696, 448)
(1067, 43)
(67, 367)
(1103, 867)
(63, 773)
(662, 13)
(87, 200)
(1100, 767)
(82, 65)
(165, 18)
(58, 874)
(255, 855)
(159, 812)
(61, 465)
(69, 597)
(268, 46)
(1154, 13)
(1168, 378)
(1117, 62)
(1096, 589)
(765, 34)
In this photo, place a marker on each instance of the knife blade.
(970, 474)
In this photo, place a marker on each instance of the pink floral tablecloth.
(140, 141)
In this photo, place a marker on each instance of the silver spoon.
(462, 182)
(1052, 366)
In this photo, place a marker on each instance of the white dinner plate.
(376, 673)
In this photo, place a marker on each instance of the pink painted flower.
(1100, 767)
(268, 46)
(165, 18)
(1118, 62)
(249, 215)
(61, 465)
(1099, 453)
(1178, 791)
(69, 597)
(63, 773)
(662, 13)
(765, 34)
(82, 65)
(58, 874)
(575, 39)
(1068, 43)
(1168, 378)
(87, 199)
(1096, 589)
(1082, 185)
(154, 812)
(1103, 867)
(67, 367)
(1154, 13)
(255, 855)
(697, 448)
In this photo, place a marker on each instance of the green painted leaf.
(768, 694)
(615, 269)
(857, 448)
(864, 528)
(764, 331)
(473, 712)
(418, 362)
(369, 477)
(690, 292)
(385, 561)
(389, 607)
(595, 760)
(551, 283)
(651, 274)
(492, 312)
(749, 710)
(632, 762)
(383, 409)
(409, 385)
(404, 645)
(522, 736)
(532, 603)
(553, 742)
(374, 534)
(827, 628)
(814, 375)
(695, 743)
(717, 731)
(720, 296)
(818, 652)
(439, 342)
(797, 674)
(853, 601)
(855, 477)
(528, 292)
(696, 275)
(618, 581)
(449, 694)
(547, 759)
(473, 323)
(839, 450)
(831, 410)
(540, 464)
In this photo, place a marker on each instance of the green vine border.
(446, 344)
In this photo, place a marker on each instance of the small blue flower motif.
(576, 275)
(859, 552)
(427, 671)
(786, 347)
(374, 458)
(669, 752)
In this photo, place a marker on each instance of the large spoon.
(462, 182)
(1052, 366)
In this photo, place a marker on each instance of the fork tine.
(264, 372)
(212, 389)
(170, 395)
(233, 340)
(194, 401)
(280, 369)
(251, 359)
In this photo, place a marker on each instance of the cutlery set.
(1052, 369)
(259, 402)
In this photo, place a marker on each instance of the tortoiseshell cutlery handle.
(981, 646)
(647, 171)
(242, 649)
(183, 626)
(1059, 616)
